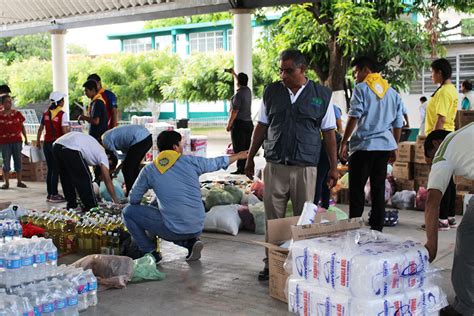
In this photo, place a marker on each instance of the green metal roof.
(188, 28)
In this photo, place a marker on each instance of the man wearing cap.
(97, 112)
(74, 153)
(56, 123)
(110, 101)
(240, 123)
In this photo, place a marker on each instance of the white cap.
(56, 96)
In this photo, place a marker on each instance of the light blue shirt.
(178, 191)
(123, 137)
(376, 118)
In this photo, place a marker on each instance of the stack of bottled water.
(31, 283)
(10, 230)
(362, 272)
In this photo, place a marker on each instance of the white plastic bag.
(404, 199)
(223, 219)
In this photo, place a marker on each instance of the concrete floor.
(224, 281)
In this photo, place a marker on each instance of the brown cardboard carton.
(406, 152)
(282, 230)
(459, 202)
(463, 118)
(422, 171)
(403, 184)
(403, 170)
(419, 153)
(463, 184)
(420, 139)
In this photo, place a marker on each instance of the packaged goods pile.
(97, 231)
(31, 283)
(362, 272)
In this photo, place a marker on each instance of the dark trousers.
(131, 163)
(52, 178)
(322, 190)
(446, 208)
(241, 135)
(362, 165)
(74, 175)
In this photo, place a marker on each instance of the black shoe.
(194, 249)
(449, 311)
(264, 275)
(157, 256)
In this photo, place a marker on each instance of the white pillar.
(60, 79)
(242, 37)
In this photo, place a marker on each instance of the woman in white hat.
(56, 123)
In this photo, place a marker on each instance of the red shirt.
(11, 125)
(53, 128)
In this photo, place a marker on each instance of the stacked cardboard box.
(406, 152)
(463, 118)
(403, 184)
(33, 171)
(403, 167)
(403, 170)
(421, 168)
(463, 184)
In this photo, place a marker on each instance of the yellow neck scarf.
(165, 160)
(377, 84)
(55, 112)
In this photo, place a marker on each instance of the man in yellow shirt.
(442, 106)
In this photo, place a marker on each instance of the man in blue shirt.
(377, 111)
(132, 140)
(97, 112)
(180, 214)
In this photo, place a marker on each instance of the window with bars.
(424, 85)
(230, 44)
(206, 41)
(137, 45)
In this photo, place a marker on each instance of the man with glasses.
(294, 113)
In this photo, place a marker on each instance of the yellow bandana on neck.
(377, 84)
(55, 112)
(165, 160)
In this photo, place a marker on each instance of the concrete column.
(60, 80)
(242, 38)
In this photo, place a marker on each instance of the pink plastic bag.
(257, 188)
(421, 197)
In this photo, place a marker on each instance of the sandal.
(21, 185)
(4, 187)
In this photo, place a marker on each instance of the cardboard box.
(33, 171)
(404, 184)
(459, 202)
(422, 171)
(282, 230)
(420, 139)
(463, 184)
(403, 170)
(406, 152)
(419, 153)
(463, 118)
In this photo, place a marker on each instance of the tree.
(331, 33)
(26, 46)
(75, 49)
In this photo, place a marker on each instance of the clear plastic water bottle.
(51, 255)
(13, 267)
(27, 260)
(26, 308)
(60, 298)
(8, 232)
(47, 300)
(71, 295)
(91, 288)
(3, 250)
(2, 233)
(39, 255)
(17, 230)
(80, 282)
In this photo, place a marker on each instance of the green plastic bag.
(235, 192)
(340, 214)
(258, 212)
(144, 269)
(218, 196)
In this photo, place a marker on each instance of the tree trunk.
(337, 67)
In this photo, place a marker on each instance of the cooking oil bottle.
(69, 236)
(80, 237)
(87, 234)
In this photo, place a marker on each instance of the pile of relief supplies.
(361, 272)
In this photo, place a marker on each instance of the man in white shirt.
(294, 113)
(454, 156)
(75, 152)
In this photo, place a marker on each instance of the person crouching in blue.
(179, 216)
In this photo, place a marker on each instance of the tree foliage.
(331, 33)
(23, 47)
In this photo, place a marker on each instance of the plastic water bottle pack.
(361, 263)
(306, 299)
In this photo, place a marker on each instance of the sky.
(94, 38)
